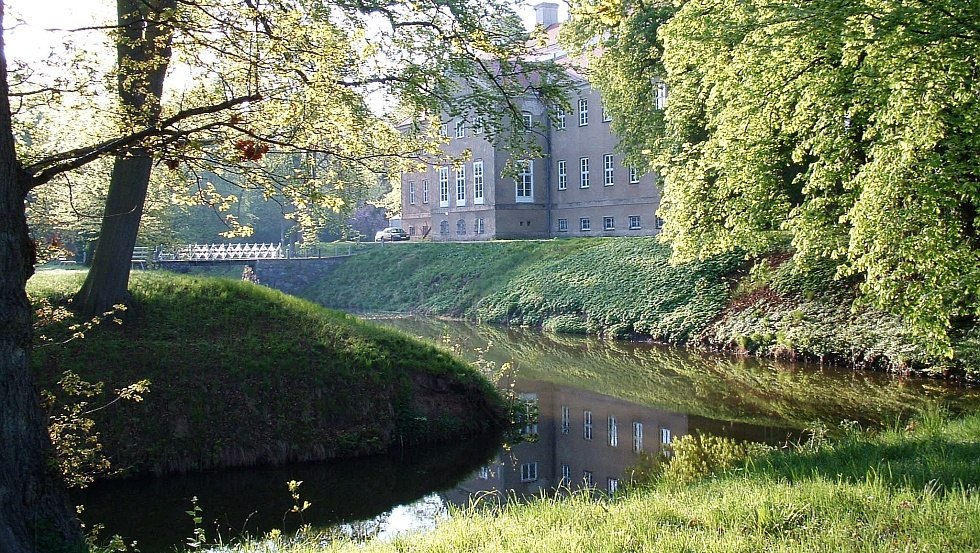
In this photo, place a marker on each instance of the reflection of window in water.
(529, 472)
(587, 478)
(612, 485)
(665, 441)
(530, 412)
(587, 425)
(613, 430)
(564, 419)
(484, 473)
(566, 475)
(637, 437)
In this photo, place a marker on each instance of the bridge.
(211, 253)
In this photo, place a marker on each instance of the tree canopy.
(848, 127)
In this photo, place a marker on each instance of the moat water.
(601, 408)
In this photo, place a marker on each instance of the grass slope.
(906, 489)
(242, 374)
(627, 286)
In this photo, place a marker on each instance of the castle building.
(579, 186)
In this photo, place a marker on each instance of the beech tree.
(847, 127)
(262, 78)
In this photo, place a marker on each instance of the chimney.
(546, 14)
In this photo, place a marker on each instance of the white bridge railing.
(222, 252)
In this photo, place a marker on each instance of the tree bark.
(35, 513)
(143, 53)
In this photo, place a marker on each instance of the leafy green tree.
(847, 127)
(279, 76)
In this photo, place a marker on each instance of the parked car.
(391, 234)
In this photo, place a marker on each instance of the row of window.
(608, 172)
(479, 227)
(612, 430)
(583, 115)
(608, 223)
(524, 181)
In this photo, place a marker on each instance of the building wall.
(614, 207)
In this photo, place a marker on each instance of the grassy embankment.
(626, 286)
(241, 375)
(911, 488)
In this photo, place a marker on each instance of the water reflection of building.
(583, 439)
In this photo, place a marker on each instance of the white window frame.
(479, 226)
(634, 175)
(584, 224)
(608, 223)
(612, 486)
(637, 437)
(460, 129)
(566, 475)
(583, 172)
(529, 472)
(560, 119)
(527, 120)
(612, 431)
(587, 425)
(478, 183)
(562, 225)
(524, 182)
(425, 191)
(634, 222)
(444, 186)
(606, 117)
(665, 436)
(461, 186)
(608, 170)
(444, 130)
(661, 96)
(587, 479)
(565, 419)
(562, 174)
(583, 112)
(411, 192)
(660, 222)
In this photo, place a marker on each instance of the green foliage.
(695, 456)
(302, 379)
(847, 128)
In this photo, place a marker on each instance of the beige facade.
(578, 187)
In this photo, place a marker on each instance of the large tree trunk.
(35, 514)
(143, 52)
(107, 282)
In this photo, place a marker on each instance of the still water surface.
(599, 406)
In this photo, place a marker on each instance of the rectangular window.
(444, 130)
(583, 180)
(529, 472)
(478, 226)
(661, 96)
(634, 222)
(566, 475)
(461, 185)
(529, 402)
(634, 175)
(444, 187)
(587, 478)
(562, 174)
(583, 112)
(660, 223)
(584, 224)
(608, 223)
(526, 119)
(587, 425)
(612, 485)
(525, 182)
(411, 192)
(665, 436)
(560, 119)
(637, 437)
(608, 178)
(484, 473)
(444, 226)
(612, 430)
(460, 129)
(564, 419)
(460, 227)
(478, 182)
(411, 230)
(425, 191)
(606, 117)
(562, 225)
